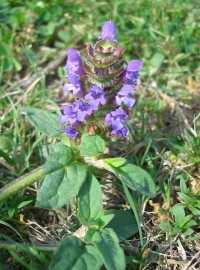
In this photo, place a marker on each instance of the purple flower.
(74, 63)
(74, 85)
(124, 96)
(128, 100)
(82, 110)
(69, 115)
(131, 71)
(75, 113)
(70, 131)
(96, 97)
(121, 132)
(108, 32)
(116, 119)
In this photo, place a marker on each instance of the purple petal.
(119, 112)
(73, 120)
(126, 89)
(122, 132)
(102, 100)
(74, 63)
(67, 109)
(131, 72)
(64, 119)
(96, 92)
(134, 65)
(129, 101)
(108, 32)
(94, 105)
(96, 97)
(108, 119)
(116, 118)
(88, 96)
(117, 124)
(80, 116)
(81, 110)
(70, 131)
(73, 79)
(67, 87)
(75, 85)
(119, 100)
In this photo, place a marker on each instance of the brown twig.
(195, 257)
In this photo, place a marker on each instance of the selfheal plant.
(102, 84)
(99, 77)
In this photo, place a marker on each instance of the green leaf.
(59, 156)
(62, 178)
(7, 64)
(178, 211)
(115, 162)
(43, 120)
(123, 223)
(73, 254)
(195, 211)
(186, 198)
(134, 177)
(24, 203)
(165, 226)
(105, 219)
(157, 60)
(190, 223)
(188, 232)
(183, 186)
(89, 233)
(7, 158)
(61, 186)
(107, 244)
(16, 64)
(184, 221)
(92, 146)
(90, 204)
(9, 226)
(177, 230)
(5, 143)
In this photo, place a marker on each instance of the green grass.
(164, 129)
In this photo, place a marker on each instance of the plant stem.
(18, 246)
(132, 204)
(20, 183)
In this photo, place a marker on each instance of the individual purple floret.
(121, 132)
(96, 97)
(124, 96)
(131, 71)
(69, 116)
(108, 32)
(82, 110)
(74, 85)
(71, 132)
(128, 100)
(74, 63)
(116, 119)
(75, 113)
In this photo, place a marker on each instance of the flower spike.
(102, 85)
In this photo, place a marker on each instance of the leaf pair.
(64, 176)
(104, 249)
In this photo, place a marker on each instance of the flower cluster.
(102, 85)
